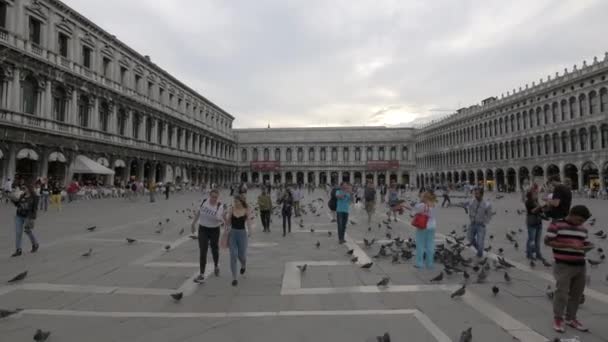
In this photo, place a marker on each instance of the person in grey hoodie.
(480, 214)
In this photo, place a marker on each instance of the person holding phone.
(570, 242)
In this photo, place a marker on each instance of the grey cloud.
(302, 63)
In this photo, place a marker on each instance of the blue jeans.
(425, 247)
(44, 202)
(19, 222)
(477, 236)
(533, 244)
(342, 219)
(237, 242)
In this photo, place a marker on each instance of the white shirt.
(8, 186)
(211, 216)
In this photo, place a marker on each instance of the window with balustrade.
(159, 132)
(300, 155)
(149, 129)
(104, 116)
(277, 154)
(62, 44)
(83, 111)
(370, 153)
(87, 53)
(357, 154)
(254, 156)
(334, 154)
(122, 122)
(266, 154)
(29, 95)
(288, 155)
(35, 31)
(106, 65)
(136, 123)
(311, 154)
(345, 154)
(244, 155)
(381, 155)
(59, 104)
(323, 154)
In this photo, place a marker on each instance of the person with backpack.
(209, 218)
(333, 202)
(27, 208)
(287, 205)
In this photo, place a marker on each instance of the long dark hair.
(242, 201)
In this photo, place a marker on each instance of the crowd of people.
(566, 233)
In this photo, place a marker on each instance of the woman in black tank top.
(237, 240)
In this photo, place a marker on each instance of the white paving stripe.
(157, 253)
(91, 289)
(424, 320)
(123, 241)
(292, 277)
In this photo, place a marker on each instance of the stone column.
(375, 178)
(44, 163)
(283, 181)
(73, 114)
(249, 177)
(142, 127)
(94, 113)
(165, 134)
(152, 172)
(317, 180)
(129, 124)
(15, 93)
(580, 178)
(174, 137)
(47, 111)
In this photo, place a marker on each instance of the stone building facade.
(556, 126)
(69, 90)
(322, 155)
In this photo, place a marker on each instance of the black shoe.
(216, 272)
(35, 248)
(243, 270)
(200, 279)
(235, 282)
(17, 253)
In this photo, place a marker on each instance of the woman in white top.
(209, 219)
(425, 238)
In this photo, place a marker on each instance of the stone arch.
(590, 174)
(571, 174)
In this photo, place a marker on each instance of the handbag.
(421, 220)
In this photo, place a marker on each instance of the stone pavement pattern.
(121, 292)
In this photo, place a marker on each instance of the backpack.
(133, 187)
(333, 200)
(218, 204)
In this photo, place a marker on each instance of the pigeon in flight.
(18, 277)
(92, 228)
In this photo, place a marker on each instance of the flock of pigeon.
(398, 250)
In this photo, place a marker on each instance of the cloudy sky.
(354, 62)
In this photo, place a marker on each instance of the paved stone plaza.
(121, 292)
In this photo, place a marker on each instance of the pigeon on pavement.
(18, 277)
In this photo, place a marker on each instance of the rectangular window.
(106, 67)
(34, 27)
(86, 56)
(3, 14)
(123, 75)
(161, 95)
(150, 89)
(62, 42)
(137, 82)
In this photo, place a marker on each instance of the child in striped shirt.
(569, 240)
